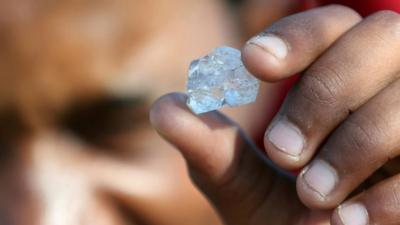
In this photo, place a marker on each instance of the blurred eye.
(12, 128)
(128, 212)
(98, 120)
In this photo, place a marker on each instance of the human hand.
(344, 111)
(333, 44)
(228, 168)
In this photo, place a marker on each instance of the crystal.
(220, 79)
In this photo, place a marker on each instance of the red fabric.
(366, 7)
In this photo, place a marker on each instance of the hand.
(354, 128)
(227, 167)
(344, 111)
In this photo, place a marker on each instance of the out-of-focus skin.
(68, 158)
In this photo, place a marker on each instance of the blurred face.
(81, 76)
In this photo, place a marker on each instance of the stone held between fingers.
(220, 79)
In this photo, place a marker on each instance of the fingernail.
(320, 177)
(287, 138)
(272, 44)
(353, 214)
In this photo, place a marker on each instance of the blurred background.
(77, 80)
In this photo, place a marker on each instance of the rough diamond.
(220, 79)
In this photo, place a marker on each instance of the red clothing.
(366, 7)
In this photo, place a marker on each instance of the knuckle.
(321, 85)
(360, 137)
(388, 193)
(385, 15)
(395, 195)
(345, 10)
(387, 19)
(365, 136)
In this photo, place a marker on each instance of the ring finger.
(359, 146)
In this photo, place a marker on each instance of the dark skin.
(340, 120)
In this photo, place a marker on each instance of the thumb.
(211, 143)
(225, 164)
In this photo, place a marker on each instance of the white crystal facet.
(219, 79)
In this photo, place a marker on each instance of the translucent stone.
(220, 79)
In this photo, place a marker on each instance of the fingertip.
(283, 160)
(165, 109)
(261, 63)
(171, 117)
(351, 15)
(208, 141)
(335, 218)
(353, 213)
(293, 43)
(284, 144)
(315, 185)
(308, 197)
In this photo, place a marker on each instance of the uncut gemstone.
(220, 79)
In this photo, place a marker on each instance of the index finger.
(293, 43)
